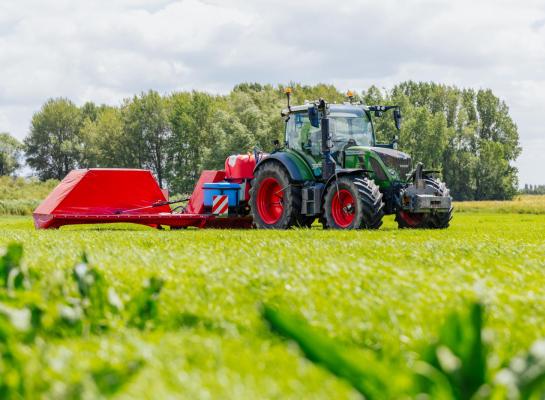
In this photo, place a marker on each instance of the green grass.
(387, 290)
(19, 196)
(523, 204)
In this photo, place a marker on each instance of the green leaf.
(143, 308)
(525, 374)
(371, 377)
(94, 294)
(459, 354)
(12, 275)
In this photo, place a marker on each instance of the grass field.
(19, 196)
(523, 204)
(387, 290)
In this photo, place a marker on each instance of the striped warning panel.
(220, 204)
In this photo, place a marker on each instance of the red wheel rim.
(343, 208)
(411, 219)
(269, 201)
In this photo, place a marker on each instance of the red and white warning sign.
(220, 204)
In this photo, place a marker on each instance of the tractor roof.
(346, 107)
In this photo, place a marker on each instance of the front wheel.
(352, 202)
(407, 219)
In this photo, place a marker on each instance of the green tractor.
(331, 168)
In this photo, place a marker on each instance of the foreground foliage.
(29, 317)
(454, 366)
(384, 295)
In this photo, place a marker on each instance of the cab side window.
(302, 136)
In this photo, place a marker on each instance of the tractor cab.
(352, 141)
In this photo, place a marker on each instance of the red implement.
(196, 203)
(94, 196)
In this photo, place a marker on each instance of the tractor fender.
(344, 172)
(297, 168)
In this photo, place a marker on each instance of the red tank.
(239, 167)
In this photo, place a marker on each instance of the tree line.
(468, 134)
(533, 189)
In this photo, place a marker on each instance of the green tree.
(460, 172)
(54, 145)
(148, 130)
(91, 111)
(428, 135)
(105, 141)
(460, 131)
(257, 108)
(234, 138)
(498, 148)
(495, 177)
(10, 154)
(190, 118)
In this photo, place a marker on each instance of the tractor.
(332, 168)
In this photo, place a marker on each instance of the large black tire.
(440, 220)
(352, 202)
(431, 220)
(275, 202)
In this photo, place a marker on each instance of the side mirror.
(314, 116)
(397, 118)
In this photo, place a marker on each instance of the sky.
(104, 51)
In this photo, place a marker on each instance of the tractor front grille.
(380, 174)
(397, 160)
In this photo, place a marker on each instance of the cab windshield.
(350, 127)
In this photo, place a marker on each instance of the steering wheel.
(351, 142)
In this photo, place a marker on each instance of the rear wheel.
(274, 202)
(352, 202)
(407, 219)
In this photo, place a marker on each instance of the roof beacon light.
(287, 91)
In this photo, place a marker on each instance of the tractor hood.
(393, 159)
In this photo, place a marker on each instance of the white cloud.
(107, 50)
